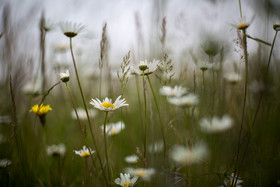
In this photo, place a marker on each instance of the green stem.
(240, 9)
(88, 118)
(161, 124)
(145, 118)
(105, 144)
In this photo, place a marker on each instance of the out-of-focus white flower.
(56, 150)
(31, 88)
(82, 113)
(5, 119)
(84, 152)
(229, 181)
(187, 156)
(177, 91)
(125, 180)
(70, 29)
(216, 124)
(64, 76)
(203, 66)
(107, 105)
(184, 101)
(132, 159)
(114, 128)
(156, 147)
(5, 163)
(144, 173)
(232, 78)
(257, 86)
(147, 67)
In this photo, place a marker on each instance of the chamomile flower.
(144, 173)
(147, 67)
(70, 29)
(216, 124)
(229, 181)
(131, 159)
(232, 78)
(64, 76)
(125, 180)
(114, 128)
(187, 156)
(184, 101)
(177, 91)
(107, 104)
(5, 163)
(82, 113)
(156, 147)
(56, 150)
(84, 152)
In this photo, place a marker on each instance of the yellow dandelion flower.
(40, 110)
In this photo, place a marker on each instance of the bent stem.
(85, 106)
(105, 144)
(161, 124)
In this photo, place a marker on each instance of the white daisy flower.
(131, 159)
(184, 101)
(216, 124)
(82, 113)
(229, 182)
(232, 78)
(177, 91)
(70, 29)
(56, 150)
(143, 173)
(186, 156)
(5, 163)
(84, 152)
(125, 180)
(107, 105)
(114, 128)
(147, 67)
(64, 76)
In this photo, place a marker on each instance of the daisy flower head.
(64, 76)
(71, 29)
(156, 147)
(84, 152)
(56, 150)
(82, 113)
(131, 159)
(232, 78)
(114, 128)
(107, 104)
(276, 27)
(146, 67)
(229, 181)
(125, 180)
(5, 163)
(184, 101)
(177, 91)
(144, 173)
(187, 156)
(216, 125)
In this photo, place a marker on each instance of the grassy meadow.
(147, 121)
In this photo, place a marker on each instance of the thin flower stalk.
(145, 117)
(85, 106)
(105, 144)
(161, 124)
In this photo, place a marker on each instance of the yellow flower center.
(107, 105)
(126, 184)
(114, 131)
(141, 173)
(85, 154)
(242, 26)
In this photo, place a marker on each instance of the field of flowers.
(149, 122)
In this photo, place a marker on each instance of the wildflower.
(229, 181)
(203, 66)
(70, 29)
(84, 152)
(147, 67)
(107, 105)
(114, 128)
(56, 150)
(132, 159)
(144, 173)
(276, 27)
(186, 156)
(177, 91)
(242, 26)
(5, 163)
(41, 111)
(232, 78)
(64, 76)
(125, 180)
(156, 147)
(82, 113)
(184, 101)
(215, 124)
